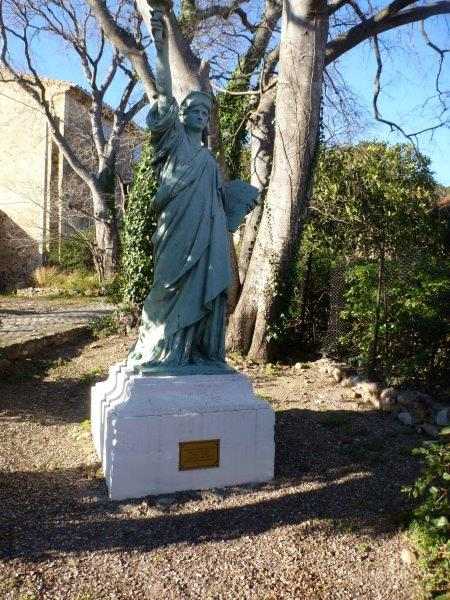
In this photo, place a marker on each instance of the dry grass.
(73, 282)
(45, 276)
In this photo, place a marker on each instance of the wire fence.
(390, 316)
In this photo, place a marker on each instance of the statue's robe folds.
(183, 319)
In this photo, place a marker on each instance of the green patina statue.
(183, 319)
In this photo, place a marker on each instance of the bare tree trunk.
(262, 138)
(376, 326)
(105, 252)
(302, 51)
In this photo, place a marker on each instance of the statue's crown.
(196, 98)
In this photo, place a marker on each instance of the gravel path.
(23, 319)
(328, 526)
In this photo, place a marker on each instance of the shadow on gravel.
(350, 465)
(25, 396)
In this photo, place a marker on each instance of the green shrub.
(138, 228)
(413, 329)
(80, 282)
(232, 111)
(308, 311)
(113, 289)
(430, 527)
(121, 320)
(372, 266)
(74, 252)
(105, 326)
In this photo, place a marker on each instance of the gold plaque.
(201, 454)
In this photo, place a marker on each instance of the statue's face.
(196, 117)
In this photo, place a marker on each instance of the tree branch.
(244, 20)
(187, 69)
(377, 90)
(35, 88)
(335, 5)
(270, 63)
(126, 45)
(134, 109)
(441, 52)
(384, 20)
(411, 137)
(219, 10)
(262, 36)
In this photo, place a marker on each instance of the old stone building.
(42, 200)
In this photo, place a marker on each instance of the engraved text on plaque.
(202, 454)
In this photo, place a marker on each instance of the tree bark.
(262, 135)
(302, 53)
(106, 255)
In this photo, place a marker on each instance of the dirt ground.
(328, 527)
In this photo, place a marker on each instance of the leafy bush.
(105, 326)
(113, 289)
(121, 320)
(373, 263)
(309, 308)
(412, 323)
(430, 528)
(138, 228)
(74, 252)
(232, 116)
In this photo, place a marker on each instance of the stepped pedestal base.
(157, 435)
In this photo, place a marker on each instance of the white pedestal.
(138, 423)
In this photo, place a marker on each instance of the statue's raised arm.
(162, 68)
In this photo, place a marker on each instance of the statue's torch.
(152, 12)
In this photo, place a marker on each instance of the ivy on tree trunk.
(139, 225)
(297, 114)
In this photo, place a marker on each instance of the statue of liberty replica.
(175, 416)
(183, 319)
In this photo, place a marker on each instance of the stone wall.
(41, 197)
(23, 151)
(74, 193)
(19, 255)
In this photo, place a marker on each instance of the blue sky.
(408, 95)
